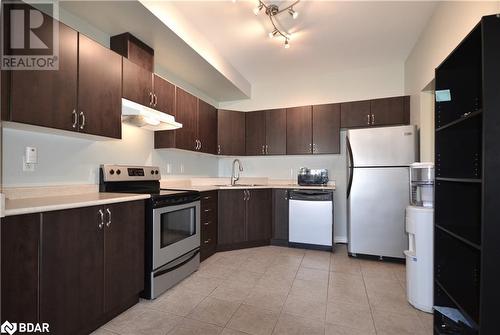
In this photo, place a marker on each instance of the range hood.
(146, 117)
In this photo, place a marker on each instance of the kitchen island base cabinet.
(244, 218)
(75, 269)
(208, 219)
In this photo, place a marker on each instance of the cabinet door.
(99, 89)
(390, 111)
(72, 271)
(231, 223)
(20, 266)
(299, 130)
(231, 133)
(137, 83)
(276, 132)
(280, 214)
(255, 130)
(187, 114)
(259, 215)
(165, 95)
(207, 127)
(124, 252)
(355, 114)
(48, 98)
(326, 129)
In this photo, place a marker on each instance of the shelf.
(462, 119)
(460, 308)
(460, 180)
(458, 237)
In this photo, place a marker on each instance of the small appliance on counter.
(312, 177)
(172, 231)
(420, 229)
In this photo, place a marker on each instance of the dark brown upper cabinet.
(390, 111)
(376, 112)
(84, 95)
(276, 132)
(99, 89)
(133, 49)
(230, 133)
(255, 130)
(137, 83)
(355, 114)
(326, 129)
(163, 95)
(46, 98)
(187, 114)
(207, 127)
(299, 130)
(266, 132)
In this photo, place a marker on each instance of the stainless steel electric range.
(172, 225)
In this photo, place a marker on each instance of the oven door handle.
(162, 272)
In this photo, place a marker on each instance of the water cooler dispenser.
(420, 229)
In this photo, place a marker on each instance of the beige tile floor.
(276, 290)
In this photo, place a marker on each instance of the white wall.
(450, 23)
(286, 167)
(285, 90)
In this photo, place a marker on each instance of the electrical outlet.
(28, 167)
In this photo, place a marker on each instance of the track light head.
(257, 9)
(293, 13)
(287, 45)
(273, 33)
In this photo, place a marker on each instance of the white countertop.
(205, 188)
(53, 203)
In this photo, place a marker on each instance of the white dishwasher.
(311, 219)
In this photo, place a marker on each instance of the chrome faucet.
(234, 179)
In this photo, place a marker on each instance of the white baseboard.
(340, 239)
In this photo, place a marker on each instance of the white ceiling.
(328, 36)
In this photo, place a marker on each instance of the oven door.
(176, 231)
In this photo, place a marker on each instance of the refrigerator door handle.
(350, 167)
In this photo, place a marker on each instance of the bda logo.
(8, 328)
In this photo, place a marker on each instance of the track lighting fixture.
(272, 11)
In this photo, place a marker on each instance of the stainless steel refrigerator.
(378, 189)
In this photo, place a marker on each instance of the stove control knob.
(111, 172)
(156, 172)
(118, 171)
(152, 172)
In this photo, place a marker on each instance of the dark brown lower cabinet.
(72, 272)
(244, 218)
(208, 221)
(259, 215)
(280, 217)
(75, 269)
(20, 253)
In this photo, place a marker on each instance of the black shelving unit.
(467, 195)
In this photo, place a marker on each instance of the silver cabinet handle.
(155, 99)
(219, 150)
(207, 223)
(75, 118)
(207, 241)
(310, 147)
(373, 119)
(267, 149)
(249, 194)
(109, 217)
(368, 119)
(245, 195)
(207, 197)
(263, 150)
(201, 144)
(207, 210)
(151, 98)
(101, 213)
(314, 148)
(82, 124)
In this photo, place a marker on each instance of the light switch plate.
(28, 167)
